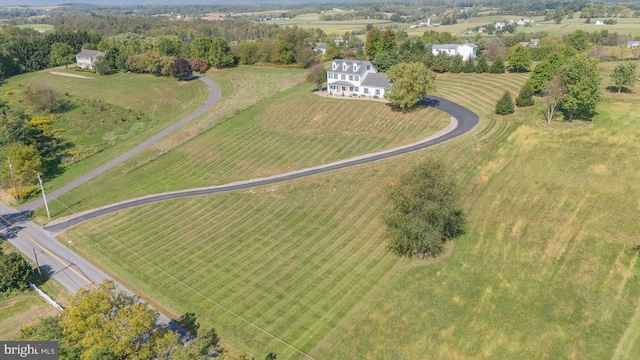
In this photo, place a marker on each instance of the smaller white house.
(322, 48)
(633, 44)
(599, 22)
(467, 51)
(86, 59)
(350, 77)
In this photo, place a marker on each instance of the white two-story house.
(467, 51)
(350, 77)
(86, 59)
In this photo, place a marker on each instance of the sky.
(129, 2)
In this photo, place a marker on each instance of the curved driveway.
(462, 121)
(214, 95)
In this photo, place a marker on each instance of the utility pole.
(15, 192)
(44, 197)
(37, 264)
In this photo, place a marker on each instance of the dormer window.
(344, 67)
(355, 67)
(335, 65)
(368, 67)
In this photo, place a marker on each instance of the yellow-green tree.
(410, 82)
(104, 323)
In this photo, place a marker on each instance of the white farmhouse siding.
(86, 59)
(348, 77)
(467, 51)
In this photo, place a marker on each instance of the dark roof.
(376, 80)
(91, 53)
(360, 64)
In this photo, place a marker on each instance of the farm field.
(334, 27)
(288, 131)
(547, 267)
(160, 101)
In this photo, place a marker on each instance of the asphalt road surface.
(466, 120)
(58, 260)
(214, 95)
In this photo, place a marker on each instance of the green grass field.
(312, 21)
(291, 130)
(304, 261)
(546, 269)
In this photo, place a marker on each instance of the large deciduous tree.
(317, 75)
(410, 82)
(62, 54)
(181, 69)
(518, 58)
(220, 55)
(554, 92)
(581, 78)
(578, 40)
(624, 75)
(105, 323)
(423, 211)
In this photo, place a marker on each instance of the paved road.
(60, 261)
(466, 120)
(214, 95)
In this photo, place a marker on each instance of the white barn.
(467, 51)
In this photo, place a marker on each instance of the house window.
(356, 89)
(350, 88)
(366, 90)
(344, 77)
(377, 91)
(335, 66)
(368, 67)
(355, 67)
(357, 77)
(344, 67)
(350, 77)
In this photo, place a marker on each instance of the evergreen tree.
(504, 106)
(469, 66)
(497, 67)
(481, 65)
(457, 64)
(525, 98)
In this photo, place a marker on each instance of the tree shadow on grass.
(417, 107)
(615, 89)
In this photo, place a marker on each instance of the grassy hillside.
(289, 268)
(291, 130)
(546, 268)
(109, 114)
